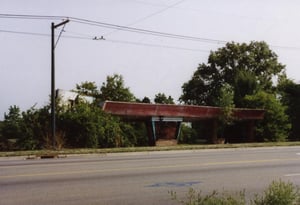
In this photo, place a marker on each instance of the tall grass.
(278, 193)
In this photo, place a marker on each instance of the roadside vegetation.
(235, 76)
(277, 193)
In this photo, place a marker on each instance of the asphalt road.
(143, 178)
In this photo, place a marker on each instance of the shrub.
(187, 135)
(279, 193)
(214, 198)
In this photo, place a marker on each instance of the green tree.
(146, 100)
(252, 71)
(114, 89)
(11, 128)
(35, 129)
(12, 124)
(81, 125)
(252, 65)
(245, 83)
(29, 129)
(225, 101)
(3, 140)
(163, 99)
(275, 126)
(290, 97)
(87, 89)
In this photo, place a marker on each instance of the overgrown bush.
(82, 125)
(214, 198)
(187, 135)
(278, 193)
(275, 126)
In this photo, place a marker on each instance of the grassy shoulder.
(65, 152)
(277, 193)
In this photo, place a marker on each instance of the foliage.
(12, 123)
(245, 83)
(214, 198)
(241, 75)
(83, 125)
(225, 101)
(290, 97)
(163, 99)
(3, 140)
(87, 125)
(187, 135)
(114, 89)
(80, 125)
(275, 126)
(135, 134)
(87, 89)
(279, 193)
(27, 129)
(246, 67)
(146, 100)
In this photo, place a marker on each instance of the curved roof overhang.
(141, 111)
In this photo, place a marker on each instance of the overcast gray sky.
(148, 63)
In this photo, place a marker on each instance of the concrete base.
(163, 143)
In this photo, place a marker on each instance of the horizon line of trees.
(235, 76)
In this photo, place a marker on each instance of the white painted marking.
(298, 153)
(292, 175)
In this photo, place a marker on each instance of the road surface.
(143, 178)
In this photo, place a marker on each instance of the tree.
(3, 140)
(12, 123)
(11, 127)
(87, 89)
(146, 100)
(275, 126)
(252, 71)
(35, 127)
(290, 97)
(225, 101)
(246, 67)
(163, 99)
(114, 89)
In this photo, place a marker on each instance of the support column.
(150, 132)
(250, 130)
(214, 131)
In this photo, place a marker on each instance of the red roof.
(187, 112)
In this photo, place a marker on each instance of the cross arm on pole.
(62, 23)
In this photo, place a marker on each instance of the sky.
(148, 63)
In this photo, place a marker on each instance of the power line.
(115, 26)
(25, 33)
(32, 17)
(157, 12)
(109, 40)
(145, 31)
(150, 15)
(157, 45)
(119, 27)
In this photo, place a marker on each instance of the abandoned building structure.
(164, 121)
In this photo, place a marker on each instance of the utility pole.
(53, 27)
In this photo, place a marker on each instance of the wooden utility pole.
(53, 27)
